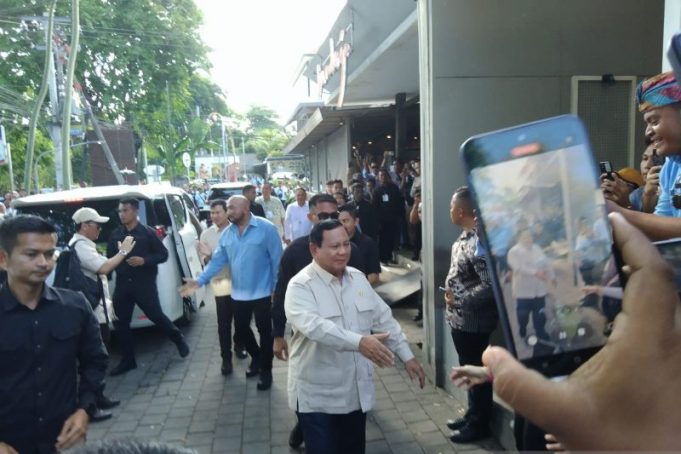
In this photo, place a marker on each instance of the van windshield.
(60, 215)
(222, 193)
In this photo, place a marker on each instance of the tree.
(261, 117)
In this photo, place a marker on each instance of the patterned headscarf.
(658, 91)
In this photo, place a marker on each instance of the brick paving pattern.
(189, 403)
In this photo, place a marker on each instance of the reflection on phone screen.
(550, 242)
(671, 251)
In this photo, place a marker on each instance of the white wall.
(672, 24)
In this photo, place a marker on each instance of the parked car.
(168, 210)
(220, 191)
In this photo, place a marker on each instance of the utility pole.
(55, 81)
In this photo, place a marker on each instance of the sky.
(257, 46)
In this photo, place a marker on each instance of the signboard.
(337, 60)
(186, 160)
(4, 159)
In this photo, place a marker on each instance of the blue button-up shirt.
(669, 176)
(252, 256)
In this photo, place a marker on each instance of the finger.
(284, 353)
(381, 336)
(540, 400)
(650, 296)
(422, 377)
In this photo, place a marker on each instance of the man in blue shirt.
(251, 247)
(659, 99)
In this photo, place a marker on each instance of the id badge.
(386, 198)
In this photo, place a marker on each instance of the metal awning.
(326, 120)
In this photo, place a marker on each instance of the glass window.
(177, 210)
(60, 215)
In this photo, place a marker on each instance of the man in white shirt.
(532, 275)
(274, 209)
(221, 285)
(333, 311)
(96, 266)
(296, 220)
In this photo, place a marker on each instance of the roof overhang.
(323, 122)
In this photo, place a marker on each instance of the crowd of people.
(311, 265)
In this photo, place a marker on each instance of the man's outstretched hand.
(626, 397)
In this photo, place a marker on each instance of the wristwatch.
(123, 252)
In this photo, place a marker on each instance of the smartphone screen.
(671, 251)
(549, 243)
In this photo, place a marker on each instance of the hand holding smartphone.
(542, 212)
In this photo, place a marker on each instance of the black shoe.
(105, 403)
(265, 381)
(253, 369)
(226, 367)
(469, 433)
(295, 439)
(100, 415)
(455, 424)
(240, 352)
(418, 317)
(182, 348)
(123, 367)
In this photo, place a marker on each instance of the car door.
(186, 239)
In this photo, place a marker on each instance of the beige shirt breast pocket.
(365, 313)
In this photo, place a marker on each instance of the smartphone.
(671, 251)
(606, 168)
(657, 160)
(543, 222)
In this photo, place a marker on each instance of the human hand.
(127, 244)
(135, 261)
(280, 347)
(468, 376)
(652, 180)
(189, 287)
(591, 289)
(449, 298)
(552, 444)
(616, 190)
(593, 409)
(73, 431)
(203, 249)
(415, 370)
(371, 346)
(7, 449)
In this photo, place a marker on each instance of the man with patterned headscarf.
(659, 99)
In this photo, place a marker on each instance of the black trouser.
(262, 311)
(129, 293)
(388, 234)
(416, 239)
(528, 437)
(225, 310)
(534, 306)
(334, 434)
(469, 347)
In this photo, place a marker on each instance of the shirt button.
(36, 323)
(40, 394)
(40, 369)
(40, 419)
(38, 346)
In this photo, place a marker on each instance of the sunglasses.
(325, 216)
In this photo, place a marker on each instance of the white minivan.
(166, 209)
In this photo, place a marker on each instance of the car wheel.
(187, 312)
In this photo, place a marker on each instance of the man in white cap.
(95, 266)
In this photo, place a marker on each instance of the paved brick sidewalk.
(188, 402)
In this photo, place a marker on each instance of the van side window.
(177, 210)
(161, 210)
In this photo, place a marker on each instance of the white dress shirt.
(526, 262)
(327, 373)
(221, 284)
(296, 223)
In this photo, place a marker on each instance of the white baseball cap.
(86, 214)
